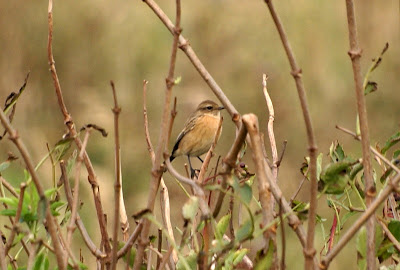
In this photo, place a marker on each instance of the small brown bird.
(199, 132)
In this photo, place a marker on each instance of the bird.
(199, 132)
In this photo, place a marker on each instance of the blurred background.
(95, 41)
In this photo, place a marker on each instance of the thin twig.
(370, 191)
(228, 163)
(389, 235)
(81, 227)
(309, 251)
(75, 199)
(164, 261)
(275, 160)
(360, 221)
(118, 181)
(162, 141)
(92, 178)
(164, 195)
(146, 122)
(2, 254)
(9, 187)
(187, 49)
(283, 238)
(210, 152)
(298, 188)
(17, 217)
(130, 241)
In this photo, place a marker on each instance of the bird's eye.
(209, 108)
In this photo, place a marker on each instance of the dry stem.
(355, 55)
(162, 141)
(73, 133)
(309, 251)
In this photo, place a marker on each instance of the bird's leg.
(192, 171)
(200, 160)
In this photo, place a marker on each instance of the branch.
(207, 159)
(355, 55)
(2, 253)
(130, 241)
(119, 210)
(360, 221)
(81, 227)
(73, 133)
(309, 251)
(187, 49)
(228, 164)
(162, 141)
(390, 235)
(251, 123)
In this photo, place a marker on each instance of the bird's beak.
(221, 108)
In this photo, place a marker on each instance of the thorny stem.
(162, 141)
(309, 251)
(355, 55)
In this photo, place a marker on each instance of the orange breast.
(198, 141)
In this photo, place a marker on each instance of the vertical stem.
(355, 56)
(117, 186)
(309, 251)
(162, 141)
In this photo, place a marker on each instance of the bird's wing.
(188, 127)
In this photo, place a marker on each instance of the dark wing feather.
(189, 125)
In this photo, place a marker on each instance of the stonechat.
(199, 132)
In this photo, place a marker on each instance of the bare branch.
(251, 123)
(389, 235)
(187, 49)
(370, 191)
(162, 141)
(73, 133)
(309, 251)
(81, 227)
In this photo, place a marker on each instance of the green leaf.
(49, 192)
(244, 231)
(222, 226)
(8, 212)
(239, 255)
(394, 228)
(41, 211)
(361, 244)
(191, 260)
(335, 177)
(336, 152)
(12, 201)
(370, 87)
(4, 165)
(395, 138)
(347, 216)
(266, 262)
(190, 208)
